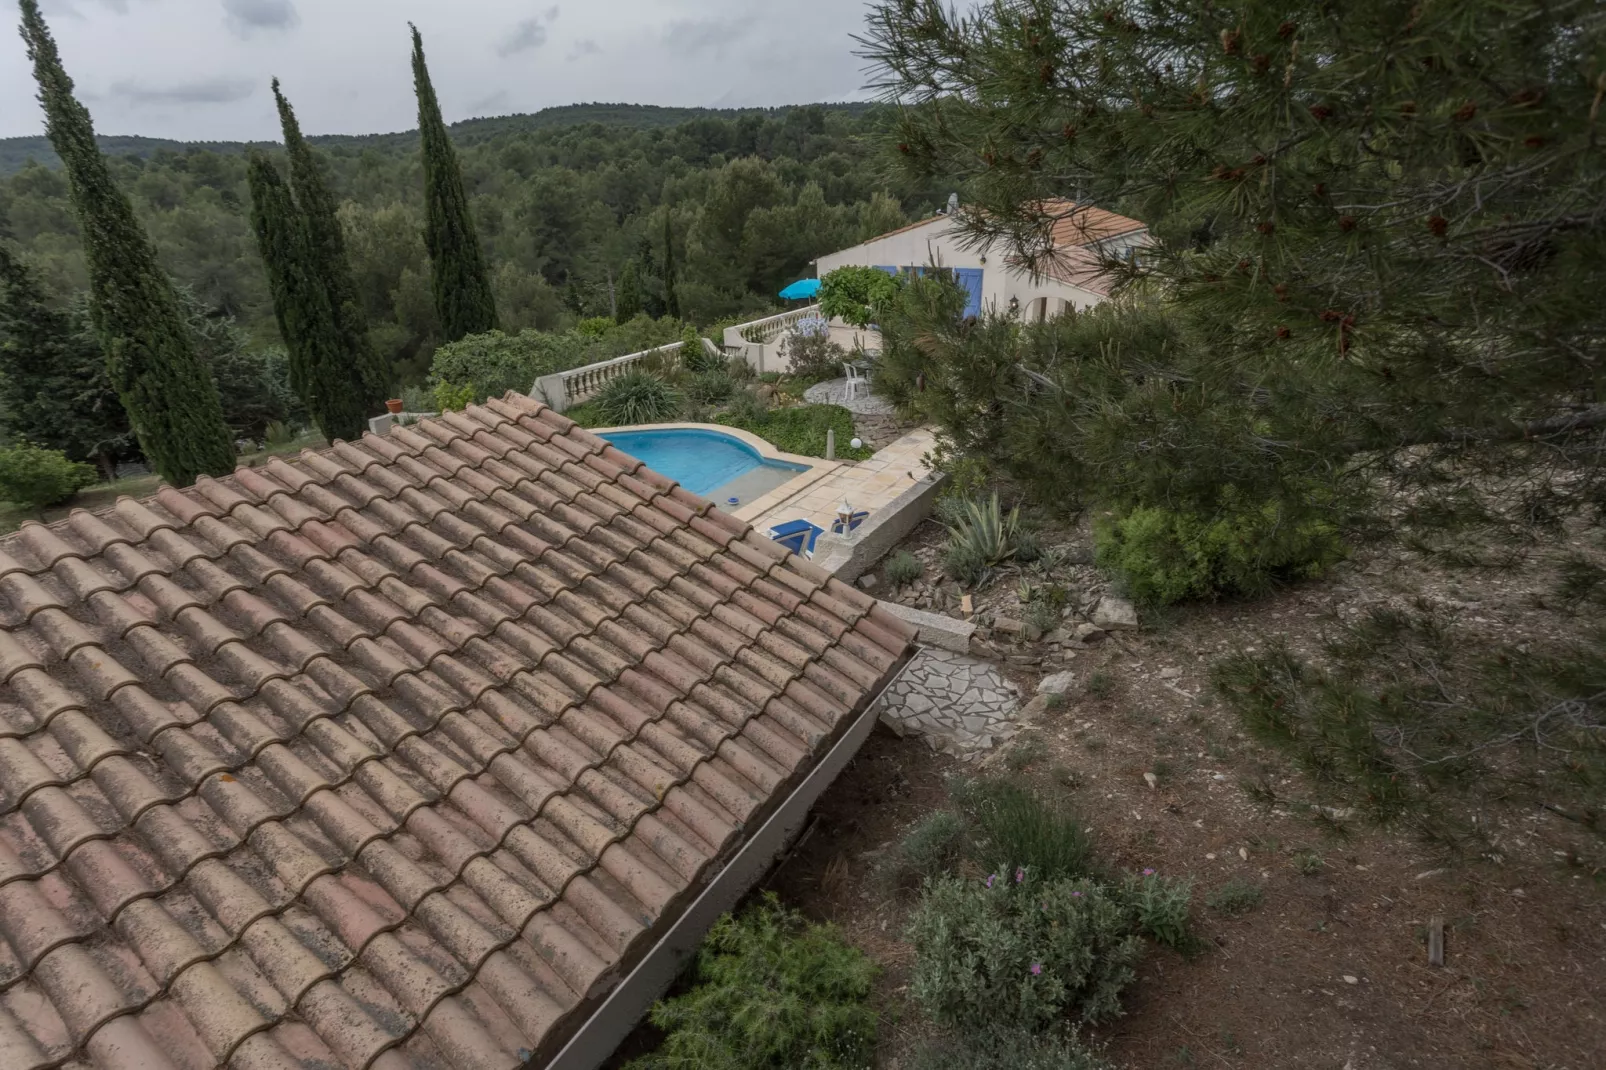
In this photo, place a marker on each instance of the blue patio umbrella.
(801, 290)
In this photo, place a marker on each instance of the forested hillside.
(567, 202)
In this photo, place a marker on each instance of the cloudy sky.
(199, 69)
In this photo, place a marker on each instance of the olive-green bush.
(769, 990)
(37, 477)
(1166, 556)
(1016, 950)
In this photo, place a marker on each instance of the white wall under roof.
(933, 242)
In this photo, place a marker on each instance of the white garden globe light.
(857, 443)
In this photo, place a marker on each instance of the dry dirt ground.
(1331, 970)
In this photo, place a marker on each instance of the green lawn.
(102, 495)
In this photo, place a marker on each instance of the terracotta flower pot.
(394, 405)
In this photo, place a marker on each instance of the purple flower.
(990, 878)
(1074, 895)
(1020, 874)
(1037, 968)
(1148, 873)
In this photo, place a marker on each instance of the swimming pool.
(708, 463)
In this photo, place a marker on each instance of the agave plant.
(981, 536)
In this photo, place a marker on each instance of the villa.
(1082, 235)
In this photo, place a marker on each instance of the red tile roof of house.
(395, 755)
(1075, 225)
(1081, 225)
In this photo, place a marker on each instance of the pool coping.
(817, 467)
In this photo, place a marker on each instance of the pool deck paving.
(866, 485)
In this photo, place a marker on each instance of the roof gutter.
(617, 1016)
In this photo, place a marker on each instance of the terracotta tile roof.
(1078, 225)
(394, 756)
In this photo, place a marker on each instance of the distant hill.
(17, 151)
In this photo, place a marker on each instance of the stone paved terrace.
(867, 485)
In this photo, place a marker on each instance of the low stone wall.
(935, 629)
(847, 557)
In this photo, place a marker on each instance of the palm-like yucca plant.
(981, 536)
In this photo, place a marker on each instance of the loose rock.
(1008, 625)
(1058, 684)
(1115, 613)
(1087, 633)
(867, 582)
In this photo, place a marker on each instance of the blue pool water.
(702, 461)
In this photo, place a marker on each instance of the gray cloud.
(205, 91)
(527, 34)
(245, 17)
(707, 35)
(524, 37)
(583, 47)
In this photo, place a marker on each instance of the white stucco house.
(1081, 236)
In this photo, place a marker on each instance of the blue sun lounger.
(797, 536)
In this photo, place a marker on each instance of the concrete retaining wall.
(847, 557)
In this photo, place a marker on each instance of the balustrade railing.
(563, 389)
(770, 328)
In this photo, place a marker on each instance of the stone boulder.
(1058, 684)
(1115, 614)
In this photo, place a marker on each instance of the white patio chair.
(857, 383)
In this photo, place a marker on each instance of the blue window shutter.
(970, 279)
(888, 270)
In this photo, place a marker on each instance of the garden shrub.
(450, 397)
(710, 388)
(496, 362)
(1016, 828)
(902, 568)
(1009, 1049)
(746, 408)
(695, 357)
(810, 353)
(858, 295)
(769, 990)
(929, 849)
(1161, 908)
(1166, 556)
(801, 429)
(37, 477)
(1018, 950)
(637, 398)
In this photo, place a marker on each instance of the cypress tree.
(367, 379)
(463, 298)
(629, 301)
(321, 373)
(54, 390)
(671, 298)
(167, 391)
